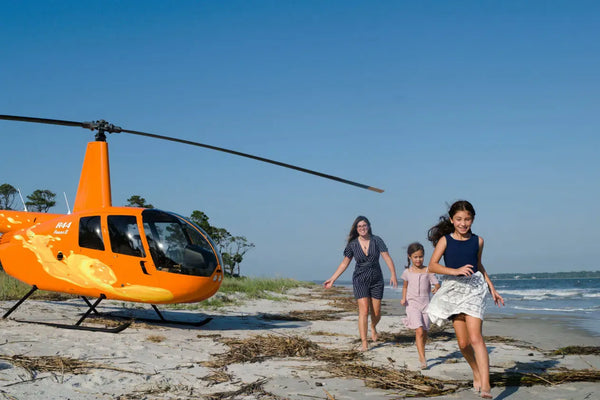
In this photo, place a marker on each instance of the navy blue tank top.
(461, 252)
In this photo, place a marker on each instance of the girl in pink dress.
(415, 296)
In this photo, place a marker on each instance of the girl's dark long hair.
(353, 232)
(444, 225)
(413, 248)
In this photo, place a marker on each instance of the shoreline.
(302, 346)
(551, 331)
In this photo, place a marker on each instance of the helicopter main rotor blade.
(106, 127)
(43, 120)
(238, 153)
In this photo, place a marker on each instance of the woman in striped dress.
(367, 279)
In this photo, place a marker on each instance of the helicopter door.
(124, 235)
(90, 233)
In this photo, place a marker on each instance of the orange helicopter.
(119, 253)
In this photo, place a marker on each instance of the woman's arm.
(495, 295)
(339, 271)
(390, 264)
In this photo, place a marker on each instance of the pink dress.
(417, 298)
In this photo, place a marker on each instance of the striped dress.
(367, 279)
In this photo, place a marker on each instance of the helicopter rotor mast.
(104, 127)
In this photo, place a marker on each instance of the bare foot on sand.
(374, 335)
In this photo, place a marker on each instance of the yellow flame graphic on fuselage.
(86, 272)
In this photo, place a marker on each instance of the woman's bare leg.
(375, 317)
(363, 317)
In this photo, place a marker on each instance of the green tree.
(201, 219)
(235, 249)
(7, 196)
(218, 235)
(137, 201)
(232, 248)
(41, 201)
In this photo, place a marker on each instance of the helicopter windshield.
(176, 245)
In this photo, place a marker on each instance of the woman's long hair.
(444, 225)
(413, 248)
(353, 232)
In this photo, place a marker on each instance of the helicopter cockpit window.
(177, 246)
(125, 236)
(90, 233)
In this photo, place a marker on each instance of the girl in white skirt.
(461, 298)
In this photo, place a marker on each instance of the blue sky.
(433, 101)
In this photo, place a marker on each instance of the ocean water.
(576, 299)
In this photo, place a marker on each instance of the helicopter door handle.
(142, 264)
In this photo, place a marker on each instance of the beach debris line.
(402, 380)
(403, 337)
(262, 347)
(563, 375)
(218, 376)
(577, 350)
(156, 338)
(339, 363)
(160, 390)
(63, 365)
(340, 298)
(306, 315)
(253, 388)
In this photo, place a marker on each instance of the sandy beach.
(302, 346)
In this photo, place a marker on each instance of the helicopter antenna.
(104, 127)
(67, 201)
(22, 201)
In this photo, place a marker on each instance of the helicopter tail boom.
(16, 220)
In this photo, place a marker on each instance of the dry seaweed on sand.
(63, 365)
(340, 298)
(114, 321)
(156, 338)
(209, 336)
(308, 315)
(335, 291)
(218, 376)
(254, 388)
(544, 378)
(511, 341)
(345, 303)
(160, 391)
(408, 382)
(408, 337)
(262, 347)
(577, 350)
(400, 337)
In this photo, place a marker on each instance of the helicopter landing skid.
(115, 329)
(163, 320)
(77, 325)
(167, 321)
(173, 322)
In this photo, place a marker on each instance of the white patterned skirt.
(458, 295)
